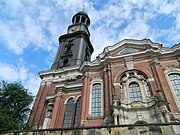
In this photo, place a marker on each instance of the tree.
(15, 103)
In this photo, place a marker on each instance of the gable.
(125, 51)
(129, 46)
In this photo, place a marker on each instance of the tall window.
(68, 114)
(175, 83)
(96, 100)
(77, 113)
(135, 93)
(72, 114)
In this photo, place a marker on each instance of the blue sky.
(29, 30)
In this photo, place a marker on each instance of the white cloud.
(8, 72)
(28, 26)
(37, 24)
(137, 29)
(71, 5)
(11, 73)
(178, 22)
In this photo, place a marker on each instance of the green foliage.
(15, 103)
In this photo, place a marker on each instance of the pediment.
(129, 46)
(125, 51)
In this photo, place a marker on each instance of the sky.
(29, 30)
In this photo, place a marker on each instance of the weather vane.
(83, 5)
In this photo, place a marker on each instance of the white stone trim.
(94, 81)
(139, 81)
(130, 42)
(77, 98)
(168, 61)
(68, 85)
(71, 93)
(116, 84)
(54, 96)
(172, 70)
(65, 102)
(150, 80)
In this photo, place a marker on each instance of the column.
(55, 111)
(106, 93)
(84, 104)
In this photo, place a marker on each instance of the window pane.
(135, 93)
(175, 83)
(96, 100)
(68, 114)
(77, 113)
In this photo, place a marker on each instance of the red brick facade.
(141, 62)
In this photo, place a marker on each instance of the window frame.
(77, 104)
(134, 76)
(133, 90)
(96, 81)
(174, 90)
(172, 70)
(74, 111)
(65, 114)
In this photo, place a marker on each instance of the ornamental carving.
(155, 61)
(171, 68)
(137, 105)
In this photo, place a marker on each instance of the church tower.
(75, 46)
(62, 85)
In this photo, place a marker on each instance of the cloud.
(27, 26)
(136, 29)
(178, 22)
(40, 24)
(8, 72)
(11, 73)
(37, 24)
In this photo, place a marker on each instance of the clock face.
(73, 29)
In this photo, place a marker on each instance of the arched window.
(175, 83)
(68, 114)
(77, 19)
(77, 116)
(134, 86)
(83, 19)
(96, 100)
(135, 93)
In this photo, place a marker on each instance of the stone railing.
(134, 129)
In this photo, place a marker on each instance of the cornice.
(58, 71)
(145, 43)
(151, 49)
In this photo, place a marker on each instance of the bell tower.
(75, 46)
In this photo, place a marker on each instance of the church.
(130, 82)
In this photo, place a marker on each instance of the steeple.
(75, 46)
